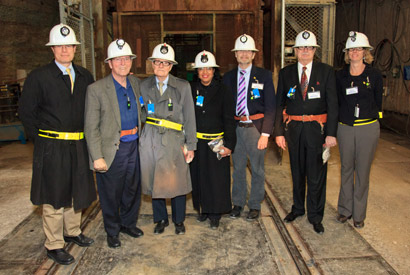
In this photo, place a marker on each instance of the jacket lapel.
(112, 96)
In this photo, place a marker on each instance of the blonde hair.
(367, 56)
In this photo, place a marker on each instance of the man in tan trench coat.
(168, 139)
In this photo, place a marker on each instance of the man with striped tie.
(255, 115)
(306, 116)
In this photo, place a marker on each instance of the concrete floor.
(237, 247)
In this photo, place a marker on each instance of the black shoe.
(180, 228)
(60, 256)
(202, 217)
(318, 227)
(358, 224)
(80, 240)
(159, 228)
(113, 241)
(291, 217)
(253, 214)
(235, 212)
(134, 232)
(342, 219)
(214, 224)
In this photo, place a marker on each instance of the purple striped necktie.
(241, 102)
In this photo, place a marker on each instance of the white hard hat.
(62, 34)
(245, 43)
(205, 59)
(305, 39)
(165, 52)
(357, 40)
(119, 48)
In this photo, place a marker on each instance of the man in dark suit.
(306, 115)
(255, 115)
(112, 123)
(52, 111)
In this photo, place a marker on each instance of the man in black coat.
(52, 111)
(254, 95)
(306, 115)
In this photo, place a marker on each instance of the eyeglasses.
(309, 48)
(165, 63)
(358, 49)
(123, 58)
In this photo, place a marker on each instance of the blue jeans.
(247, 147)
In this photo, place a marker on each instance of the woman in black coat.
(214, 111)
(360, 89)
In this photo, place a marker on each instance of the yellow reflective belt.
(61, 135)
(359, 123)
(165, 123)
(208, 136)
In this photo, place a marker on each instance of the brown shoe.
(358, 224)
(342, 219)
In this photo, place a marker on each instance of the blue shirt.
(164, 87)
(129, 117)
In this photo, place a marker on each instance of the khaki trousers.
(58, 223)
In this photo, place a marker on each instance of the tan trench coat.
(164, 172)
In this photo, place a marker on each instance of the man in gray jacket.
(112, 123)
(168, 139)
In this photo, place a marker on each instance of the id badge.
(199, 101)
(356, 111)
(352, 91)
(151, 108)
(291, 93)
(313, 95)
(258, 86)
(256, 94)
(141, 101)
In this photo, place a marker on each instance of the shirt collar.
(165, 81)
(308, 66)
(63, 68)
(118, 85)
(247, 70)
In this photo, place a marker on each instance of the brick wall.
(24, 29)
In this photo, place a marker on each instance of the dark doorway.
(186, 47)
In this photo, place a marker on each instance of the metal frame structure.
(80, 18)
(164, 33)
(302, 20)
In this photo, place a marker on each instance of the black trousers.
(120, 189)
(305, 141)
(178, 205)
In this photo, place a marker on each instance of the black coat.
(60, 168)
(322, 78)
(369, 97)
(211, 179)
(265, 104)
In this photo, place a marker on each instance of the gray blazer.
(102, 127)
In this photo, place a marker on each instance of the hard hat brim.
(316, 46)
(133, 56)
(253, 50)
(154, 58)
(198, 67)
(62, 44)
(364, 47)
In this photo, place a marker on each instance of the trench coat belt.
(61, 135)
(251, 117)
(132, 131)
(321, 119)
(164, 123)
(209, 136)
